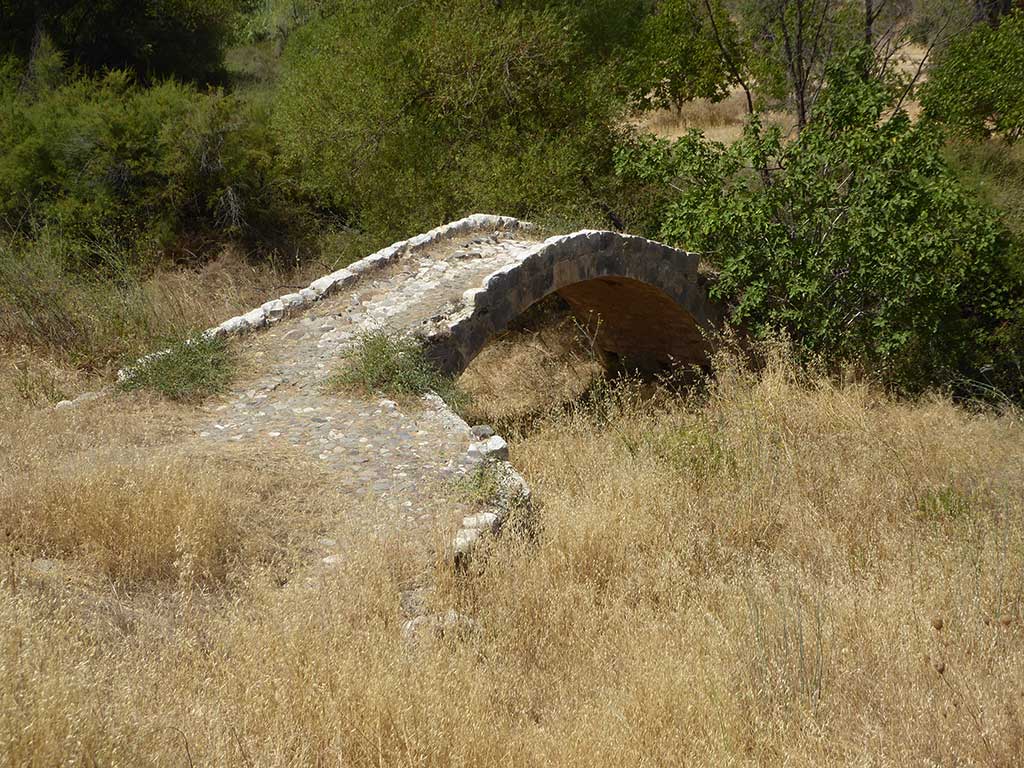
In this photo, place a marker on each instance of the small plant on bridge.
(187, 371)
(394, 365)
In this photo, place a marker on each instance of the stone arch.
(646, 302)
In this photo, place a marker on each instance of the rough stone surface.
(486, 521)
(274, 310)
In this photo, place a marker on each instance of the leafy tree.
(977, 88)
(677, 57)
(403, 114)
(855, 238)
(153, 38)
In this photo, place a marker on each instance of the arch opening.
(636, 326)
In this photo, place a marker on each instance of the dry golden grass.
(132, 521)
(543, 361)
(720, 121)
(116, 489)
(87, 330)
(755, 577)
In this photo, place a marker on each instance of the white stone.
(292, 301)
(274, 310)
(235, 325)
(256, 318)
(493, 447)
(485, 521)
(343, 277)
(323, 286)
(465, 540)
(332, 561)
(515, 487)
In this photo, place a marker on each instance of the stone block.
(274, 310)
(493, 448)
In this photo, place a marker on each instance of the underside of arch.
(636, 325)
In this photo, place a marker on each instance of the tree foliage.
(855, 238)
(153, 38)
(677, 56)
(977, 89)
(404, 114)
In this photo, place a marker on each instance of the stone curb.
(513, 493)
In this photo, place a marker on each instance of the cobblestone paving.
(395, 458)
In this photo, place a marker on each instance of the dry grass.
(71, 337)
(132, 521)
(544, 360)
(754, 578)
(719, 121)
(117, 489)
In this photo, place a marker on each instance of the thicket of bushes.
(389, 117)
(856, 238)
(125, 173)
(401, 115)
(977, 90)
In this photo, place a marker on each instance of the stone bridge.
(456, 287)
(644, 303)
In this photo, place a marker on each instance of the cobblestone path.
(394, 458)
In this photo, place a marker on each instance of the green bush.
(187, 371)
(124, 173)
(404, 114)
(855, 238)
(977, 88)
(391, 364)
(155, 39)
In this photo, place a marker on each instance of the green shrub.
(977, 88)
(394, 365)
(855, 238)
(404, 114)
(188, 370)
(123, 172)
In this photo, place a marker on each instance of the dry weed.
(749, 578)
(719, 121)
